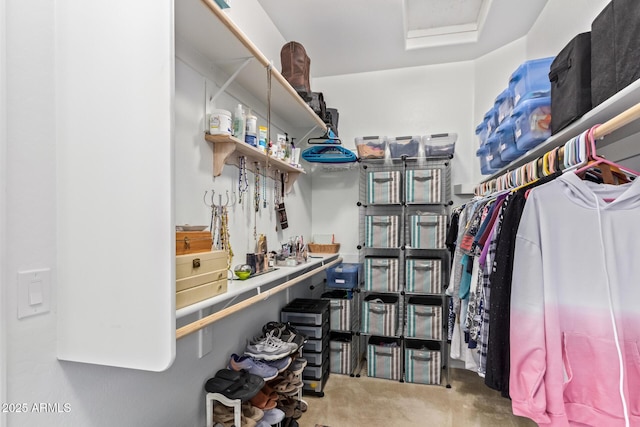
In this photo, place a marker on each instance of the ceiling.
(352, 36)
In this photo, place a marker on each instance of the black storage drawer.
(570, 77)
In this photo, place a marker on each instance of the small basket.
(331, 248)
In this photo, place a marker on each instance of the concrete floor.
(355, 402)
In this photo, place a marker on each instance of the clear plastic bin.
(491, 119)
(484, 155)
(371, 147)
(440, 144)
(530, 79)
(481, 133)
(404, 146)
(532, 122)
(507, 141)
(495, 161)
(503, 105)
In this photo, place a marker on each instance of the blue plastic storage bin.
(484, 155)
(507, 141)
(493, 144)
(344, 275)
(481, 133)
(529, 79)
(532, 122)
(503, 105)
(491, 119)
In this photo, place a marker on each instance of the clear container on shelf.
(495, 161)
(404, 146)
(491, 119)
(530, 79)
(371, 147)
(507, 141)
(481, 133)
(532, 122)
(440, 144)
(503, 105)
(484, 155)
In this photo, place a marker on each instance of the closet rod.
(208, 320)
(627, 116)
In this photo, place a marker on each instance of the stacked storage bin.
(404, 257)
(344, 322)
(520, 118)
(311, 317)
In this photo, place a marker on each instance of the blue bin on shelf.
(530, 79)
(507, 141)
(491, 119)
(532, 122)
(495, 161)
(484, 155)
(481, 133)
(344, 275)
(503, 105)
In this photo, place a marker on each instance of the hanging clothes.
(575, 316)
(497, 368)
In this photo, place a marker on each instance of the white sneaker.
(269, 348)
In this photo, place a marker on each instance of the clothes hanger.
(597, 160)
(329, 137)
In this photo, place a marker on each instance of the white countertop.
(237, 287)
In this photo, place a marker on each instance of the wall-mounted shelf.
(203, 26)
(224, 146)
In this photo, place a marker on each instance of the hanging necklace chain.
(276, 196)
(243, 181)
(264, 189)
(256, 190)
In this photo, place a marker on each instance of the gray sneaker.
(269, 348)
(298, 365)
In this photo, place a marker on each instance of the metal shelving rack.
(404, 251)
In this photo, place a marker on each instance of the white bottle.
(239, 123)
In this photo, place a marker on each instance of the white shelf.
(621, 101)
(203, 26)
(225, 145)
(239, 287)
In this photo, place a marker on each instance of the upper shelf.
(207, 29)
(621, 101)
(225, 145)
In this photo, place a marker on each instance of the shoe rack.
(403, 216)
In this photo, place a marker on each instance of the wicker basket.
(331, 248)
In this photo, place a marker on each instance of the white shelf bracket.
(230, 79)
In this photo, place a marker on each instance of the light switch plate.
(34, 292)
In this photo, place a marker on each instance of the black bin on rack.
(311, 317)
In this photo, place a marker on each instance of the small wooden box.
(200, 276)
(200, 293)
(191, 242)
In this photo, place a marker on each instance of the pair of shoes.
(279, 364)
(255, 367)
(269, 347)
(289, 406)
(298, 365)
(273, 416)
(234, 384)
(286, 384)
(249, 417)
(286, 332)
(265, 401)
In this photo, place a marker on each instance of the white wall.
(3, 209)
(566, 19)
(98, 395)
(410, 101)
